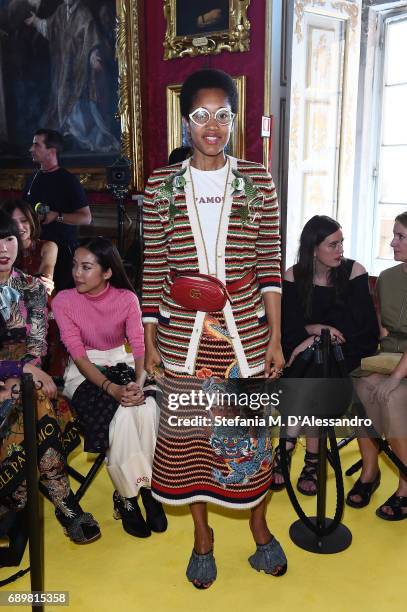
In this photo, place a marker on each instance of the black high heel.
(127, 509)
(155, 515)
(82, 529)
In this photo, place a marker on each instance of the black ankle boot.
(156, 519)
(126, 508)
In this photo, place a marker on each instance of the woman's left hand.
(382, 392)
(274, 360)
(133, 395)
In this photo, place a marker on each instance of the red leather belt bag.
(194, 291)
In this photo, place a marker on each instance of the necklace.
(220, 219)
(43, 172)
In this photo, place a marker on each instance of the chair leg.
(90, 476)
(75, 474)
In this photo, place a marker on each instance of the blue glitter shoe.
(201, 570)
(269, 558)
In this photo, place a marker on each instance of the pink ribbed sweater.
(103, 321)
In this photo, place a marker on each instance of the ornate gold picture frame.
(124, 61)
(176, 135)
(198, 27)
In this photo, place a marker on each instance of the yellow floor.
(119, 572)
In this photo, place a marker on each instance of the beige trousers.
(132, 431)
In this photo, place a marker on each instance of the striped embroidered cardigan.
(248, 239)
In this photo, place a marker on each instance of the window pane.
(393, 168)
(394, 111)
(386, 217)
(396, 50)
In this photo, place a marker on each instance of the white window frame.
(365, 214)
(349, 12)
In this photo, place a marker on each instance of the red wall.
(160, 73)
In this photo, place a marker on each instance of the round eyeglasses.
(201, 116)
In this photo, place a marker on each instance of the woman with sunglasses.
(215, 215)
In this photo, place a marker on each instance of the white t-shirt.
(209, 186)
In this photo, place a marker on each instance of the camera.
(41, 209)
(121, 374)
(118, 174)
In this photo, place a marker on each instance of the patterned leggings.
(51, 462)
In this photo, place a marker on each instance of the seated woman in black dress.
(324, 290)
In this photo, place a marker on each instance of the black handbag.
(119, 374)
(306, 390)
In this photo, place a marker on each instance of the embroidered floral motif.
(238, 184)
(14, 448)
(243, 185)
(179, 182)
(165, 198)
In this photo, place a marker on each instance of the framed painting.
(204, 27)
(176, 134)
(72, 66)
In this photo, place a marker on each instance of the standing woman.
(36, 257)
(23, 326)
(385, 396)
(216, 215)
(96, 319)
(323, 290)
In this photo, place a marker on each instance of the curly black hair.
(207, 79)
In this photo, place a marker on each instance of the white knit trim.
(257, 370)
(194, 342)
(173, 368)
(236, 342)
(271, 290)
(208, 499)
(150, 320)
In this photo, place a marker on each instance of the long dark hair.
(108, 257)
(9, 206)
(314, 232)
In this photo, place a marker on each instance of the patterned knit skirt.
(209, 452)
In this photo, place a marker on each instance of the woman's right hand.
(315, 329)
(48, 283)
(152, 360)
(39, 376)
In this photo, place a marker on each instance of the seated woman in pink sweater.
(104, 381)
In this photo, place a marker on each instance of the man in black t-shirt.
(62, 192)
